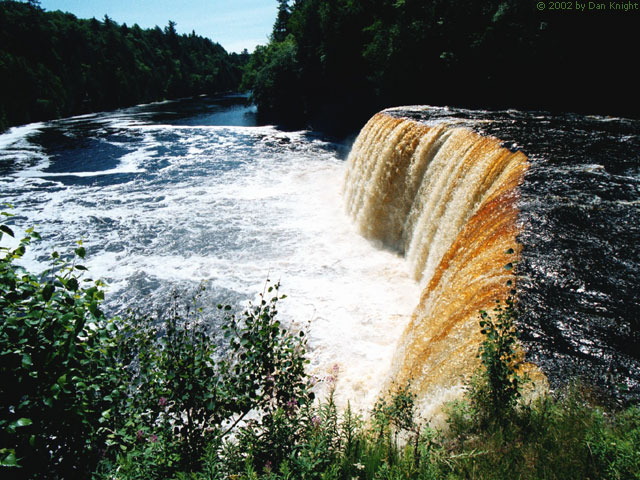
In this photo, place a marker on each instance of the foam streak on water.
(164, 201)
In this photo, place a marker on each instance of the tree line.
(329, 63)
(334, 62)
(53, 64)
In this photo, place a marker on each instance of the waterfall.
(445, 198)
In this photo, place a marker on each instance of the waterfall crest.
(445, 198)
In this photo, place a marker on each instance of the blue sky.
(235, 24)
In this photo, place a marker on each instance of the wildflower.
(316, 421)
(162, 401)
(313, 380)
(335, 369)
(267, 466)
(153, 438)
(292, 404)
(359, 466)
(139, 435)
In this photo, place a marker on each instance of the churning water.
(166, 195)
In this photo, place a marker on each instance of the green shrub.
(495, 389)
(184, 396)
(614, 443)
(56, 365)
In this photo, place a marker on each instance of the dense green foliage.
(84, 396)
(496, 390)
(55, 363)
(353, 57)
(53, 64)
(183, 398)
(147, 395)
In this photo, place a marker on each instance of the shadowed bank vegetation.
(86, 396)
(53, 64)
(335, 62)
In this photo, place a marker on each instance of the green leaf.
(47, 291)
(93, 308)
(81, 252)
(22, 422)
(9, 461)
(7, 230)
(72, 284)
(26, 360)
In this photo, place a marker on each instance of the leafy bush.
(56, 365)
(496, 387)
(184, 397)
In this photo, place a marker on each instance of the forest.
(329, 64)
(332, 63)
(53, 64)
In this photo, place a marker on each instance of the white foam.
(15, 134)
